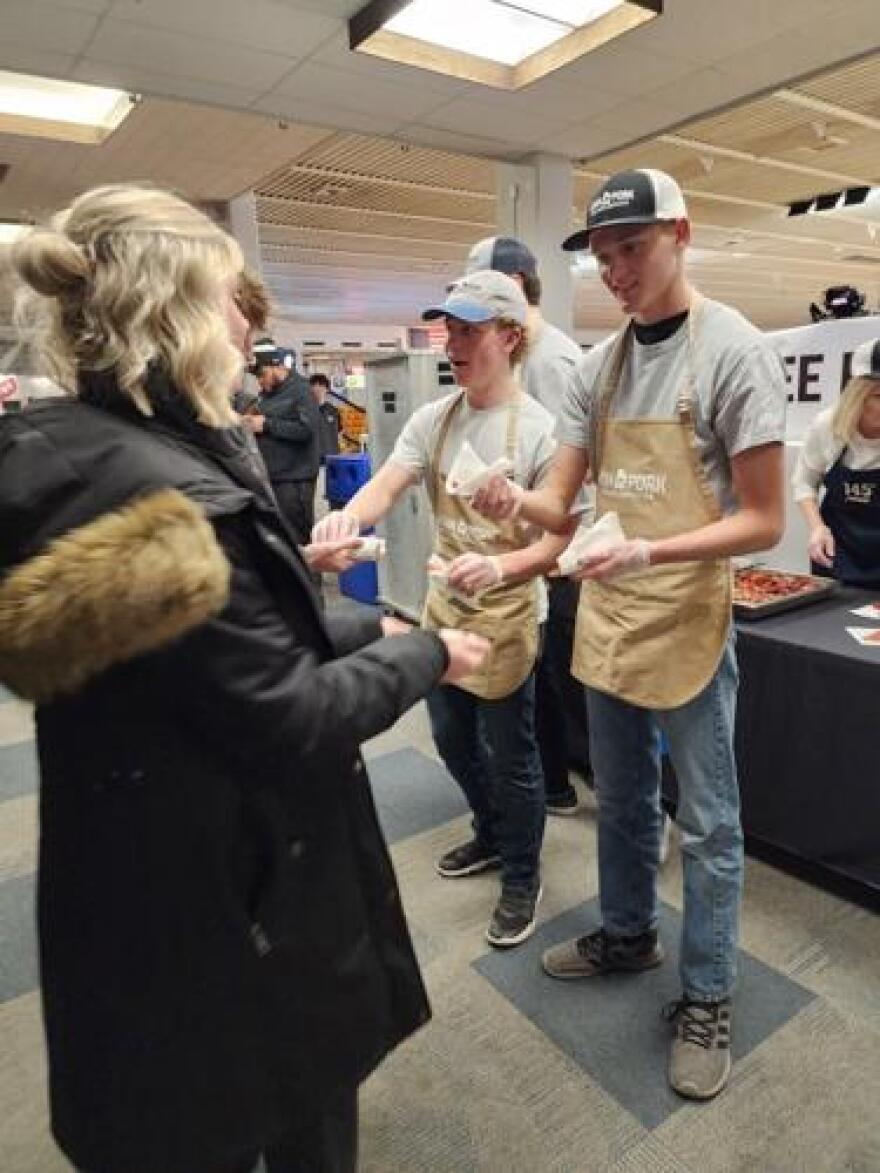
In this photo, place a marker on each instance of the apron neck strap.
(433, 478)
(609, 378)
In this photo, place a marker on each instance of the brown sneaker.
(699, 1058)
(600, 953)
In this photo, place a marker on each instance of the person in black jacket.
(287, 424)
(330, 425)
(222, 949)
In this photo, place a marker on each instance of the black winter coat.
(290, 442)
(221, 938)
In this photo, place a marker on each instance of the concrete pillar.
(534, 204)
(241, 216)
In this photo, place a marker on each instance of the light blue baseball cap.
(482, 297)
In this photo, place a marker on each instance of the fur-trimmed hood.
(113, 588)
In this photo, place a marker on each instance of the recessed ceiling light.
(501, 43)
(11, 232)
(63, 110)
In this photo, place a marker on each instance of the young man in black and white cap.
(545, 372)
(680, 416)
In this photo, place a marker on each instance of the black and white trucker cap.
(643, 196)
(866, 360)
(504, 254)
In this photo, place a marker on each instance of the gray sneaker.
(600, 953)
(699, 1058)
(513, 920)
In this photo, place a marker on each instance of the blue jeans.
(489, 748)
(625, 750)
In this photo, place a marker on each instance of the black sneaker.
(699, 1058)
(468, 859)
(563, 802)
(513, 920)
(599, 953)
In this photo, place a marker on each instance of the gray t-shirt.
(549, 366)
(485, 429)
(739, 401)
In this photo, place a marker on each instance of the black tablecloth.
(808, 738)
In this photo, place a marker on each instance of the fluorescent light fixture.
(481, 28)
(9, 233)
(501, 43)
(65, 110)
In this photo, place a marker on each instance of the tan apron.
(654, 638)
(506, 614)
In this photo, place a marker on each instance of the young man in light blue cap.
(485, 583)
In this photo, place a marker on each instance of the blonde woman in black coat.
(223, 952)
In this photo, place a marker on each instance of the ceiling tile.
(707, 36)
(324, 84)
(258, 24)
(35, 61)
(324, 114)
(450, 140)
(493, 120)
(140, 80)
(338, 8)
(44, 26)
(198, 58)
(337, 53)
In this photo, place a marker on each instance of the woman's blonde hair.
(845, 420)
(125, 278)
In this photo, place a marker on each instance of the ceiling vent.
(4, 171)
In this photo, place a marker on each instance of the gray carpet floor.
(516, 1072)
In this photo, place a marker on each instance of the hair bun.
(49, 262)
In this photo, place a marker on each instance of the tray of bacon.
(758, 592)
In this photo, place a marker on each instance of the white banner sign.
(817, 361)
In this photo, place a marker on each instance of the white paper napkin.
(371, 549)
(438, 576)
(602, 537)
(869, 611)
(868, 637)
(469, 473)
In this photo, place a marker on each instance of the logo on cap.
(612, 199)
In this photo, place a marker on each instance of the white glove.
(821, 546)
(469, 472)
(474, 573)
(336, 526)
(626, 558)
(500, 499)
(331, 557)
(603, 537)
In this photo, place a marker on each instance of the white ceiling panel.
(493, 120)
(466, 142)
(35, 60)
(336, 52)
(325, 114)
(335, 87)
(139, 79)
(97, 6)
(338, 8)
(258, 24)
(708, 32)
(200, 57)
(53, 29)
